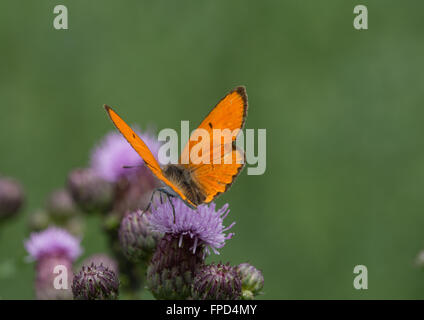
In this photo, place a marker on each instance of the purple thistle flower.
(204, 225)
(114, 152)
(53, 242)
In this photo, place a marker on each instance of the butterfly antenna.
(130, 167)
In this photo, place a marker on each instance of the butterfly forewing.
(141, 148)
(225, 161)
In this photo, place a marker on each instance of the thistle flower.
(60, 205)
(53, 242)
(216, 282)
(114, 152)
(11, 197)
(172, 268)
(252, 280)
(204, 225)
(95, 282)
(53, 248)
(183, 248)
(89, 190)
(137, 240)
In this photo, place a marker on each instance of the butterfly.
(199, 183)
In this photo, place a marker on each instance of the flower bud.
(60, 205)
(172, 268)
(252, 280)
(89, 191)
(216, 282)
(95, 282)
(11, 197)
(137, 240)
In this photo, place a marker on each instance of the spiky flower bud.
(11, 197)
(137, 240)
(252, 280)
(172, 267)
(89, 191)
(60, 205)
(95, 282)
(216, 282)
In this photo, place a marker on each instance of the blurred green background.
(343, 110)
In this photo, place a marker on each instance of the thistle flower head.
(11, 197)
(137, 240)
(60, 204)
(204, 225)
(95, 282)
(53, 242)
(90, 191)
(216, 282)
(113, 153)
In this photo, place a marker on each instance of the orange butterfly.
(198, 183)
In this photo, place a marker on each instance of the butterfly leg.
(151, 199)
(169, 196)
(173, 209)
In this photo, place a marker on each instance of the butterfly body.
(199, 182)
(181, 177)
